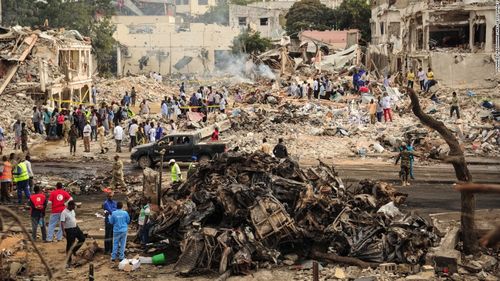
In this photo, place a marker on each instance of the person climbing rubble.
(117, 179)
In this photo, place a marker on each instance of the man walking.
(280, 150)
(454, 106)
(117, 179)
(87, 130)
(404, 155)
(120, 221)
(71, 231)
(38, 204)
(57, 198)
(22, 179)
(175, 171)
(73, 136)
(118, 134)
(17, 134)
(109, 207)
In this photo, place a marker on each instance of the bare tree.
(457, 159)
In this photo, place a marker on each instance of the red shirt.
(58, 197)
(215, 136)
(38, 203)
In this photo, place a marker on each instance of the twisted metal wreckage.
(241, 209)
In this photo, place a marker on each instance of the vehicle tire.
(144, 162)
(204, 158)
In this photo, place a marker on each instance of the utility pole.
(497, 36)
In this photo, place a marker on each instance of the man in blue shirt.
(109, 207)
(120, 220)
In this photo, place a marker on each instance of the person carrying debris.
(21, 179)
(454, 106)
(109, 207)
(58, 199)
(280, 150)
(405, 157)
(265, 147)
(117, 179)
(71, 231)
(175, 171)
(38, 204)
(120, 221)
(5, 179)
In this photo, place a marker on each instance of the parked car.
(179, 146)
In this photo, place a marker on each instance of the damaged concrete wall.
(459, 70)
(164, 45)
(264, 20)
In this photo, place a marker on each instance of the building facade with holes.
(456, 38)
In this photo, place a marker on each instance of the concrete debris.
(254, 209)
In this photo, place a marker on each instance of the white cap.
(171, 161)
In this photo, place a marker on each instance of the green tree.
(354, 14)
(308, 15)
(250, 42)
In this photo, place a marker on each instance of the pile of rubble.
(241, 211)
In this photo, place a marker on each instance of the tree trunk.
(462, 173)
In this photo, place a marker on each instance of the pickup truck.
(179, 146)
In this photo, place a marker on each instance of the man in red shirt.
(215, 135)
(58, 199)
(38, 203)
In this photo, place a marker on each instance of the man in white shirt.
(386, 105)
(152, 133)
(132, 131)
(118, 134)
(71, 230)
(421, 78)
(87, 130)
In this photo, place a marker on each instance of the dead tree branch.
(462, 173)
(16, 218)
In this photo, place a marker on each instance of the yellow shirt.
(410, 76)
(430, 75)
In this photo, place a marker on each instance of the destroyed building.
(267, 17)
(454, 38)
(154, 43)
(53, 66)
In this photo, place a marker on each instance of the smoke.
(241, 67)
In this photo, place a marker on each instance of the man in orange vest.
(38, 204)
(5, 179)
